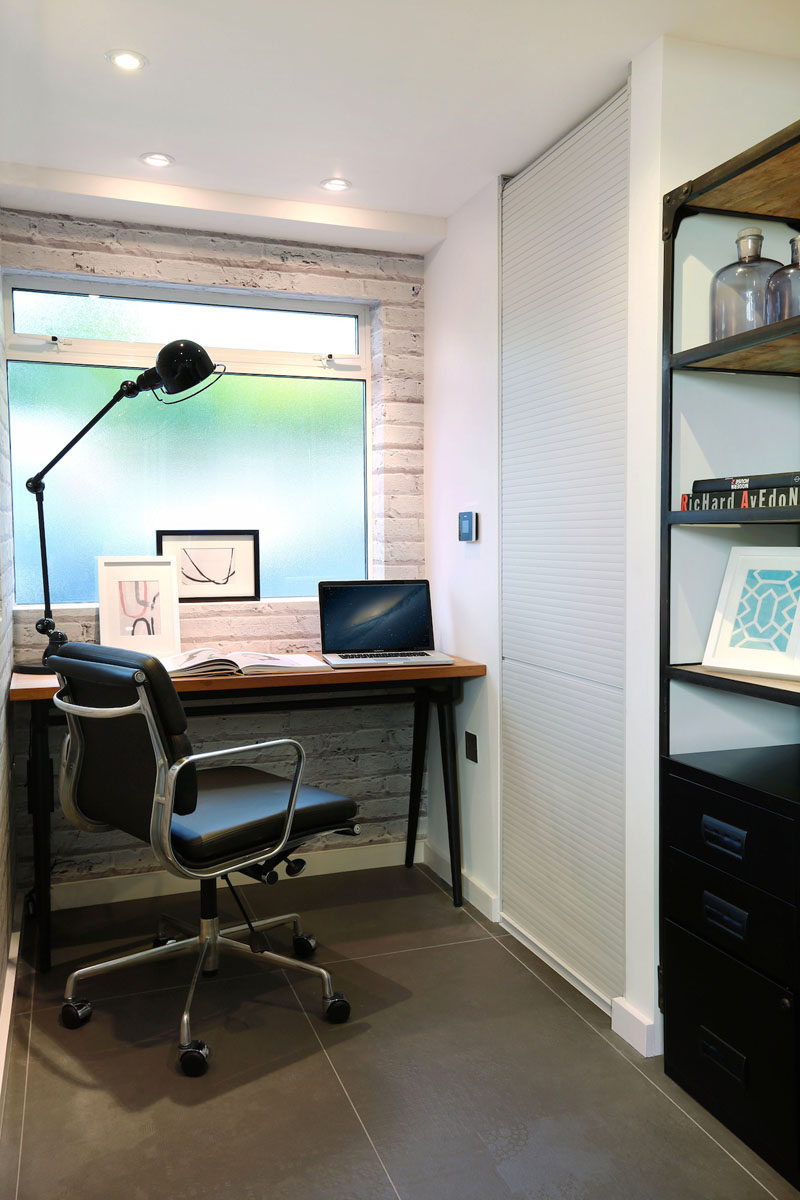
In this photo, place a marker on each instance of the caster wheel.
(162, 940)
(304, 945)
(75, 1013)
(295, 867)
(194, 1059)
(259, 942)
(337, 1009)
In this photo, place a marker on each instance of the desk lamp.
(179, 366)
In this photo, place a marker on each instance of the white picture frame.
(139, 603)
(756, 625)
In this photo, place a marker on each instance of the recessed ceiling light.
(126, 60)
(335, 185)
(157, 160)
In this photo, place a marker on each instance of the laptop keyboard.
(389, 654)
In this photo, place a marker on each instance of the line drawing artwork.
(139, 608)
(208, 564)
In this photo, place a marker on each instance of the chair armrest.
(80, 710)
(207, 755)
(163, 807)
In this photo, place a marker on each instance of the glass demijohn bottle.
(783, 289)
(739, 291)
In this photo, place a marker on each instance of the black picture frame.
(213, 564)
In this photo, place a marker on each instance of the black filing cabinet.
(729, 945)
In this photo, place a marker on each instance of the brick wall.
(365, 751)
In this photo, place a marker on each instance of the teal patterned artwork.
(766, 610)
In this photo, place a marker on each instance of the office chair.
(127, 764)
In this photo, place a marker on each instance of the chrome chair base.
(193, 1054)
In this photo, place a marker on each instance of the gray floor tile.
(376, 912)
(583, 1006)
(116, 1115)
(480, 1083)
(475, 1070)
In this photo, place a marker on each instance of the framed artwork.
(139, 604)
(213, 564)
(756, 630)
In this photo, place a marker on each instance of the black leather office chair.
(127, 764)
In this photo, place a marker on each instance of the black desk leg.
(447, 738)
(418, 747)
(40, 805)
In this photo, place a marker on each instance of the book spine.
(735, 483)
(742, 498)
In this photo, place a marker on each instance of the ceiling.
(419, 104)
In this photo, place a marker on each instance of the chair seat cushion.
(241, 809)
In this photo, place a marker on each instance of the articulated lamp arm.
(180, 366)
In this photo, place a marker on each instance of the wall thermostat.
(468, 527)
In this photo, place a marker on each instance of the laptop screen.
(370, 615)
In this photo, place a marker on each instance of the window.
(280, 443)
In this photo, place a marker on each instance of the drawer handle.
(725, 916)
(720, 836)
(723, 1055)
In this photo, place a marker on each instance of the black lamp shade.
(182, 365)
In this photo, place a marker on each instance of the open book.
(206, 660)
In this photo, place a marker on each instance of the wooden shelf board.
(768, 687)
(764, 181)
(770, 350)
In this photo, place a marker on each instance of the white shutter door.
(564, 347)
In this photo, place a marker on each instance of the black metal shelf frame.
(681, 203)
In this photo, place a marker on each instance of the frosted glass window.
(279, 454)
(125, 319)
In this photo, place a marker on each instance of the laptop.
(377, 623)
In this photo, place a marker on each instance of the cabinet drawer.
(752, 843)
(749, 924)
(730, 1041)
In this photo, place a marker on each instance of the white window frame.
(91, 352)
(94, 352)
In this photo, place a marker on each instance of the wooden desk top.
(43, 687)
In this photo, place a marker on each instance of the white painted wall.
(692, 107)
(461, 472)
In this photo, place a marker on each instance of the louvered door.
(564, 364)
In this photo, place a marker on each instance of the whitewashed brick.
(402, 484)
(398, 437)
(403, 389)
(404, 506)
(407, 461)
(366, 748)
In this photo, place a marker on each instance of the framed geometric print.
(756, 630)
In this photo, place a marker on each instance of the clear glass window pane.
(125, 319)
(282, 455)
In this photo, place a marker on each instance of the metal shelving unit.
(730, 818)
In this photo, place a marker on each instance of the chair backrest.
(115, 761)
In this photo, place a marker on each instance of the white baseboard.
(7, 999)
(580, 984)
(80, 893)
(638, 1030)
(485, 901)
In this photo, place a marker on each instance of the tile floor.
(468, 1070)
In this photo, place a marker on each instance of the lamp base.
(56, 639)
(32, 668)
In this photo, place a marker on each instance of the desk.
(214, 695)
